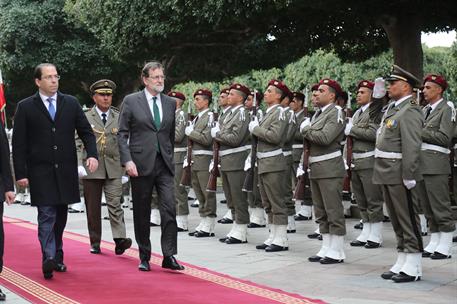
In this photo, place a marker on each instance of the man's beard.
(159, 89)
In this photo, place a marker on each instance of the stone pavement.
(356, 281)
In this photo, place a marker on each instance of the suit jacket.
(324, 136)
(400, 132)
(202, 140)
(109, 162)
(138, 136)
(438, 130)
(298, 138)
(44, 151)
(6, 179)
(180, 136)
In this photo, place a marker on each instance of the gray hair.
(152, 65)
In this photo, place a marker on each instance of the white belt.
(315, 159)
(455, 146)
(287, 153)
(202, 152)
(234, 150)
(391, 155)
(437, 148)
(184, 149)
(261, 155)
(297, 146)
(362, 155)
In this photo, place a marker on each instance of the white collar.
(202, 112)
(235, 108)
(299, 112)
(325, 107)
(45, 98)
(272, 107)
(402, 99)
(100, 112)
(364, 107)
(433, 106)
(149, 96)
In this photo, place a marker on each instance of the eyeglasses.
(51, 77)
(159, 77)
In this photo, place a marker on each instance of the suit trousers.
(272, 192)
(328, 205)
(403, 206)
(308, 200)
(437, 203)
(368, 196)
(162, 180)
(233, 183)
(92, 196)
(2, 237)
(288, 186)
(254, 198)
(51, 225)
(182, 206)
(207, 200)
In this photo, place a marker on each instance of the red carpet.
(108, 278)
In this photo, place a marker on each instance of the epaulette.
(181, 116)
(292, 117)
(340, 114)
(452, 106)
(115, 109)
(242, 114)
(281, 113)
(210, 118)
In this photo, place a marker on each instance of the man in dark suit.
(146, 144)
(6, 190)
(44, 156)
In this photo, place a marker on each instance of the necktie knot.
(427, 113)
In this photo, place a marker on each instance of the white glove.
(189, 129)
(81, 171)
(185, 163)
(247, 163)
(211, 165)
(214, 130)
(124, 179)
(305, 123)
(409, 183)
(300, 171)
(253, 124)
(348, 128)
(379, 90)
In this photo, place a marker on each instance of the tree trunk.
(405, 39)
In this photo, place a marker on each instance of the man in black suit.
(44, 156)
(6, 190)
(146, 143)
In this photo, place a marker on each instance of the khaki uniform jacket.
(291, 128)
(224, 113)
(400, 132)
(234, 133)
(325, 135)
(298, 138)
(270, 134)
(180, 150)
(109, 161)
(438, 130)
(363, 135)
(202, 140)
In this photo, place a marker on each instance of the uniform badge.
(391, 124)
(114, 130)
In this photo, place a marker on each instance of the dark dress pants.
(51, 224)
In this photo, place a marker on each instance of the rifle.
(299, 193)
(214, 173)
(186, 177)
(248, 185)
(347, 178)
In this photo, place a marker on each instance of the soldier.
(199, 131)
(396, 169)
(271, 165)
(324, 133)
(232, 136)
(182, 207)
(434, 163)
(362, 130)
(104, 121)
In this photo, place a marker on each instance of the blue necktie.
(51, 109)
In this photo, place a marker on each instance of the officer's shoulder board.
(116, 110)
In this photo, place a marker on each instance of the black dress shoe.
(261, 246)
(254, 225)
(314, 258)
(192, 233)
(60, 267)
(49, 265)
(106, 217)
(225, 221)
(71, 210)
(222, 240)
(202, 234)
(313, 235)
(232, 240)
(327, 260)
(372, 245)
(403, 278)
(154, 225)
(358, 226)
(291, 231)
(194, 205)
(95, 250)
(144, 266)
(275, 248)
(357, 243)
(2, 296)
(223, 201)
(171, 263)
(300, 217)
(388, 275)
(426, 254)
(424, 233)
(454, 239)
(182, 229)
(386, 219)
(122, 245)
(319, 237)
(439, 256)
(190, 198)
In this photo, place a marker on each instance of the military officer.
(104, 121)
(199, 132)
(232, 136)
(396, 169)
(434, 163)
(362, 130)
(182, 207)
(271, 165)
(324, 133)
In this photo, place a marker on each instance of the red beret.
(333, 84)
(366, 84)
(438, 79)
(299, 95)
(315, 87)
(258, 96)
(280, 85)
(241, 88)
(225, 91)
(177, 94)
(204, 92)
